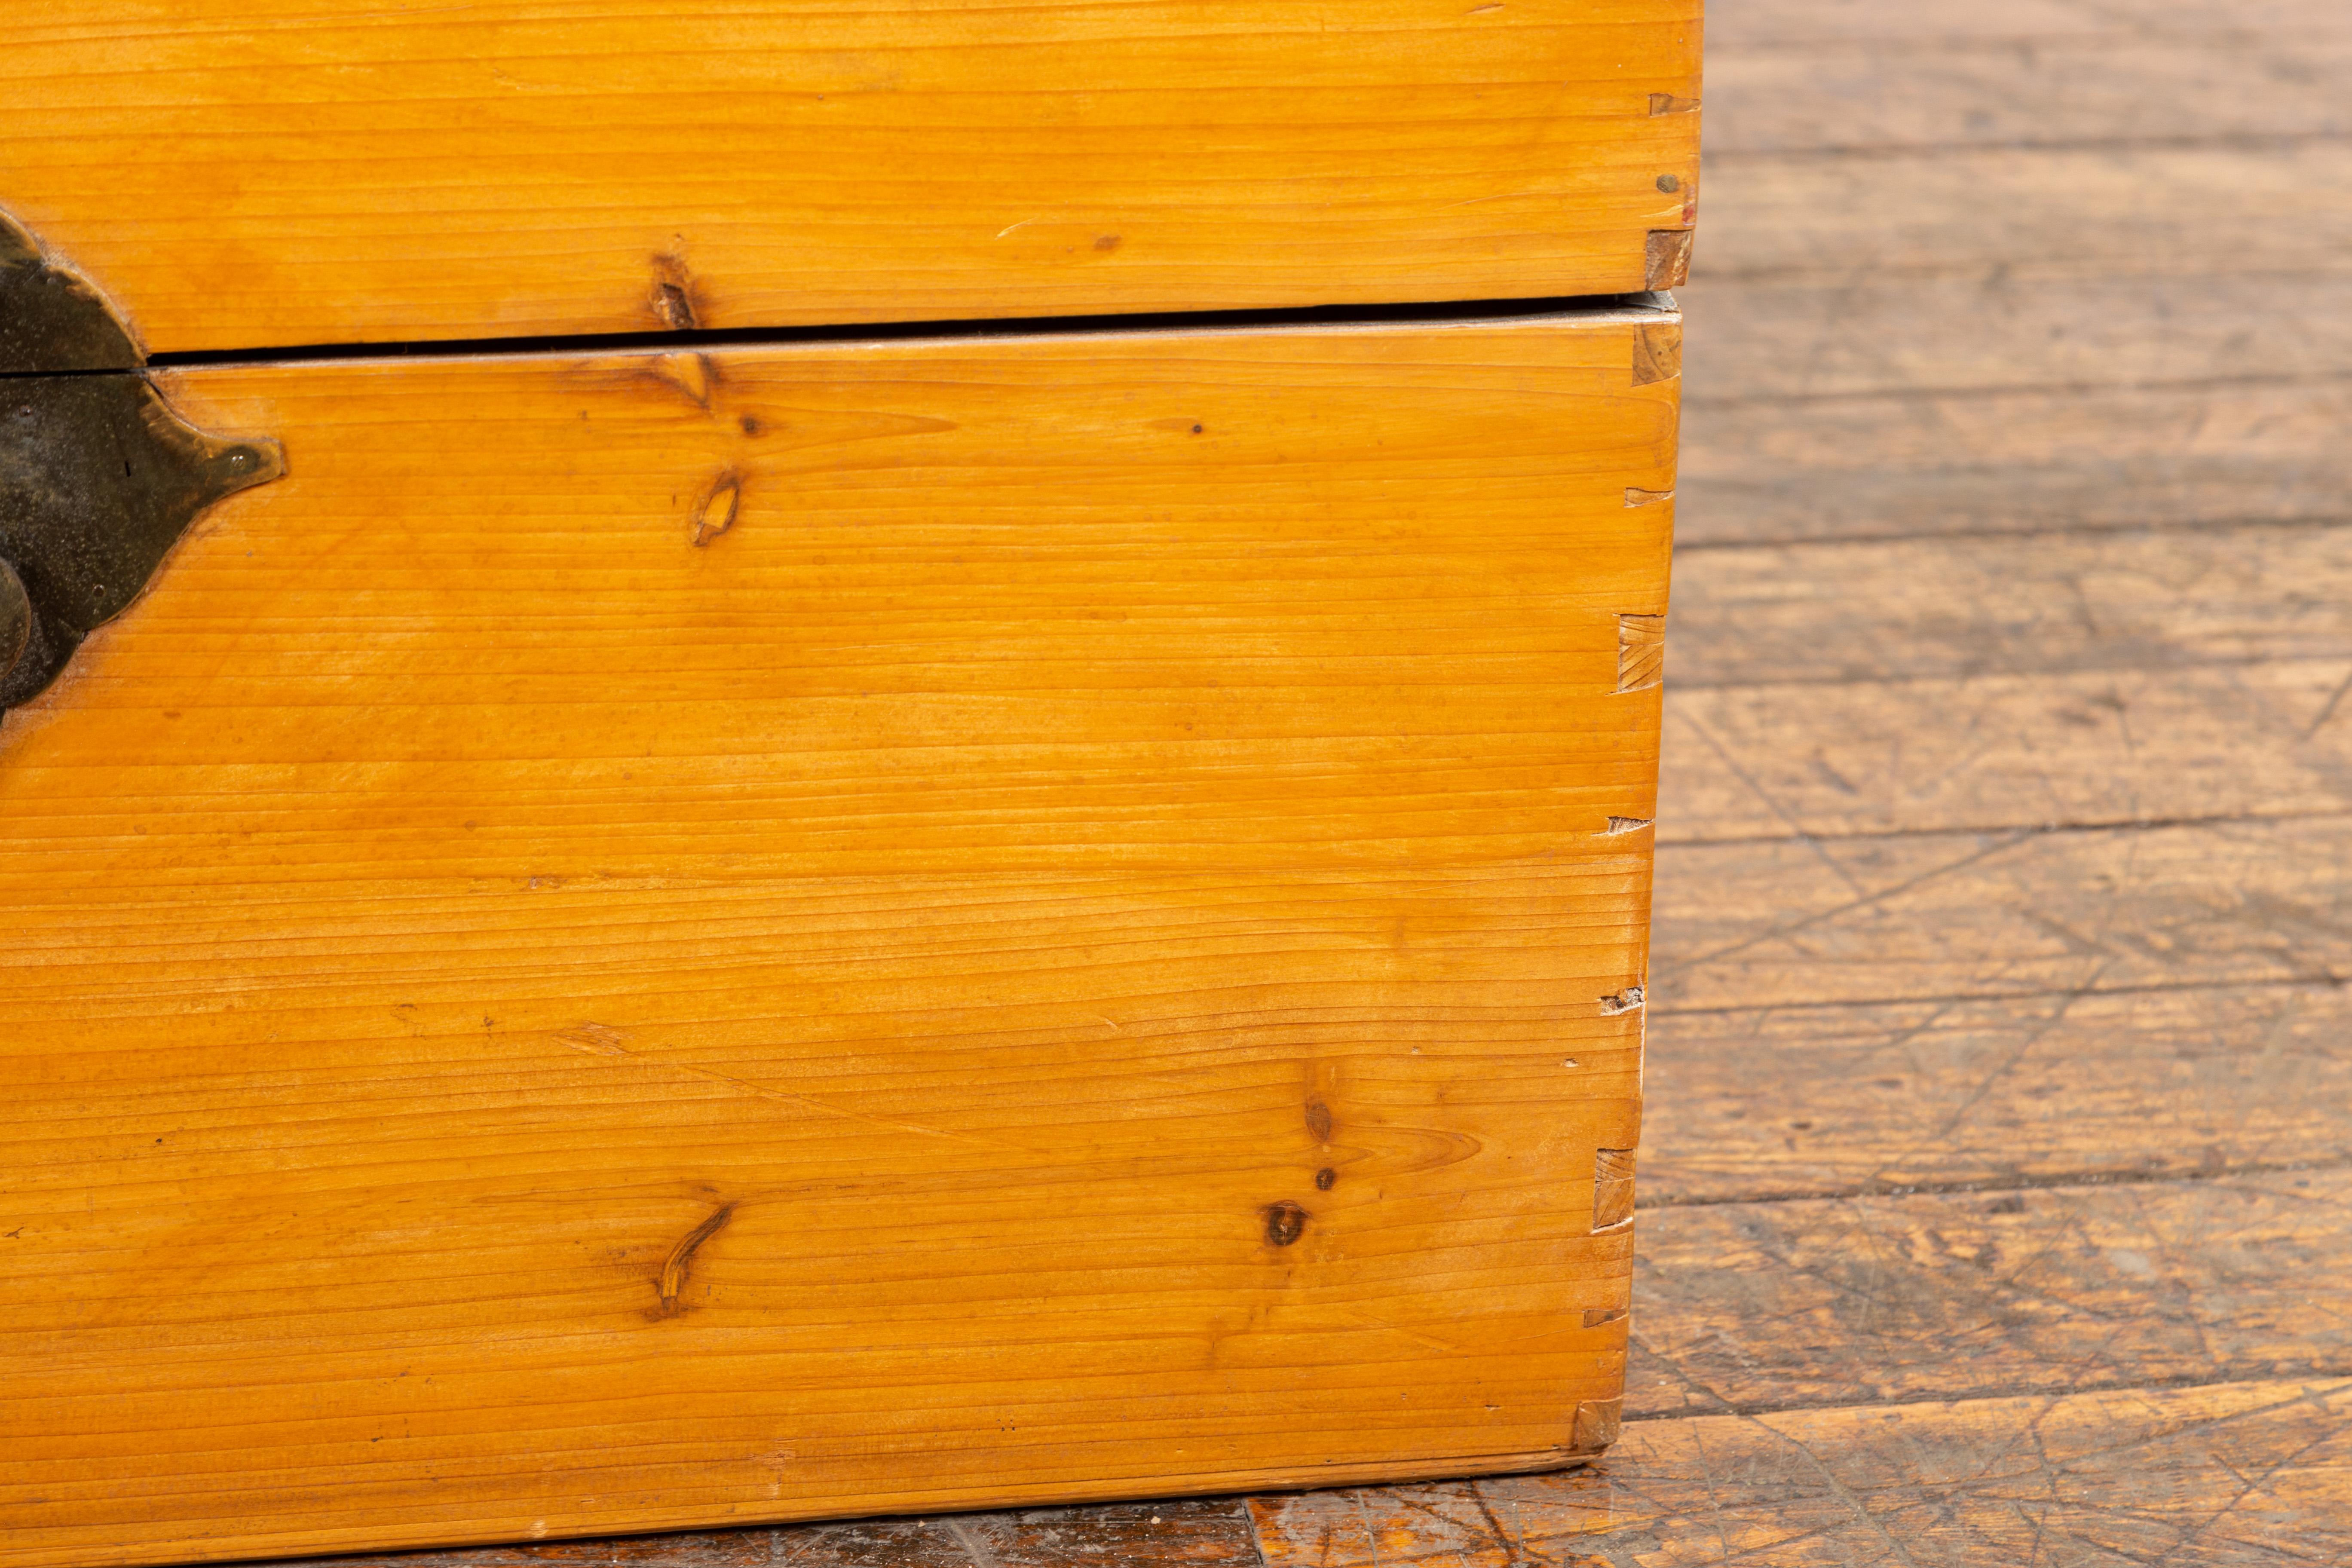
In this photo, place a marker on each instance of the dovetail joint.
(1641, 652)
(1596, 1425)
(1612, 1188)
(1667, 262)
(1657, 352)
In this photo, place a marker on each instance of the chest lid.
(247, 174)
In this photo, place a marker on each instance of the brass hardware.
(98, 476)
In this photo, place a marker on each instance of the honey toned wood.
(1074, 948)
(2105, 273)
(1819, 1102)
(2170, 278)
(244, 173)
(2245, 1475)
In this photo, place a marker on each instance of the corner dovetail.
(1641, 652)
(1612, 1189)
(1596, 1425)
(1667, 260)
(1657, 352)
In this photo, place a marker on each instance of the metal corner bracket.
(99, 478)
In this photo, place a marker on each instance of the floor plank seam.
(2002, 1185)
(2225, 142)
(2001, 46)
(2330, 982)
(1926, 677)
(2202, 525)
(2023, 830)
(1894, 271)
(2342, 1375)
(1932, 393)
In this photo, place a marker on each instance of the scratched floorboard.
(2239, 1476)
(1999, 1129)
(1212, 1533)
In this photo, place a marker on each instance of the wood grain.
(1964, 356)
(2247, 1475)
(1980, 82)
(2052, 1289)
(1816, 1102)
(1063, 952)
(1825, 27)
(2029, 403)
(1928, 685)
(2030, 215)
(1760, 340)
(2267, 739)
(1962, 608)
(2053, 459)
(2018, 339)
(244, 173)
(1760, 924)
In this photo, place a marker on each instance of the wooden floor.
(1996, 1199)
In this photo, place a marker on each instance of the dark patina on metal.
(98, 476)
(51, 319)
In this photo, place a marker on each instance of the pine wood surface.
(2015, 475)
(654, 940)
(239, 173)
(1984, 1212)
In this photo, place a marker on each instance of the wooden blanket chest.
(769, 761)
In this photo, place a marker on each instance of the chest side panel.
(651, 941)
